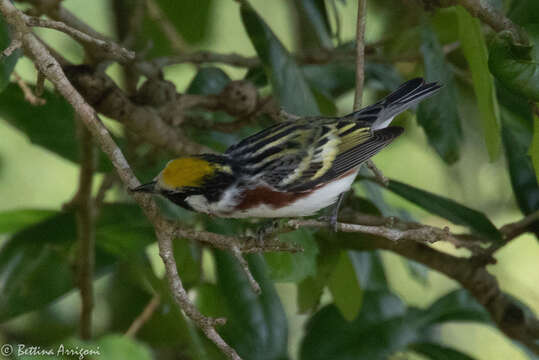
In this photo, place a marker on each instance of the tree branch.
(473, 276)
(505, 312)
(52, 70)
(486, 13)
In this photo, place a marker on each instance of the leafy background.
(452, 148)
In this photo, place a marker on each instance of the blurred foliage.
(348, 300)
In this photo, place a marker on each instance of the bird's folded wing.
(299, 155)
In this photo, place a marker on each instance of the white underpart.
(308, 205)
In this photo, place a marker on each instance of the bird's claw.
(266, 230)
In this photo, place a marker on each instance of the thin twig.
(236, 251)
(144, 316)
(384, 181)
(12, 47)
(106, 184)
(28, 94)
(86, 231)
(360, 53)
(110, 48)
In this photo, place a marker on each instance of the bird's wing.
(298, 155)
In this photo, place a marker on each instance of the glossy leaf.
(118, 346)
(345, 287)
(208, 80)
(310, 290)
(384, 326)
(439, 352)
(475, 50)
(193, 20)
(370, 269)
(36, 263)
(517, 134)
(51, 126)
(256, 324)
(448, 209)
(458, 305)
(376, 333)
(315, 13)
(7, 64)
(439, 115)
(15, 220)
(293, 267)
(516, 66)
(286, 78)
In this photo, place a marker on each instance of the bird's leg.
(266, 229)
(335, 212)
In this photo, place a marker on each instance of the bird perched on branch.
(291, 169)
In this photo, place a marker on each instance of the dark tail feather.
(407, 95)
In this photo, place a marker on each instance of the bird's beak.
(146, 188)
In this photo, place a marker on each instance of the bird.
(291, 169)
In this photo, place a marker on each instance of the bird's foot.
(265, 230)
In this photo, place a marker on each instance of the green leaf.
(208, 80)
(524, 12)
(315, 13)
(256, 324)
(286, 78)
(370, 270)
(36, 263)
(293, 267)
(448, 209)
(7, 64)
(118, 346)
(458, 305)
(188, 260)
(517, 134)
(310, 290)
(192, 20)
(534, 148)
(475, 50)
(15, 220)
(376, 333)
(439, 115)
(439, 352)
(516, 66)
(330, 79)
(384, 326)
(345, 287)
(51, 126)
(123, 230)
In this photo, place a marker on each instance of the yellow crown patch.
(186, 171)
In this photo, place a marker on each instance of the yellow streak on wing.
(353, 139)
(186, 171)
(329, 153)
